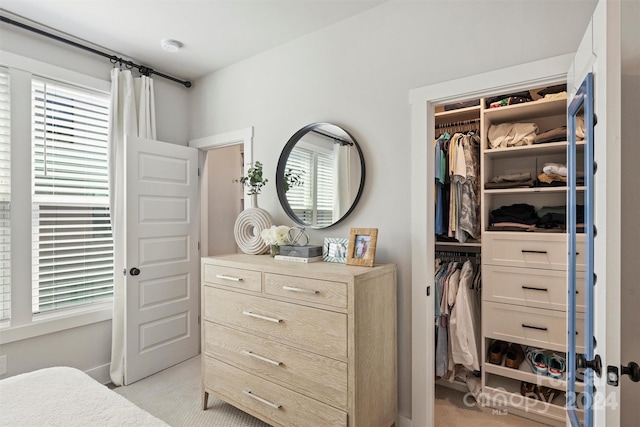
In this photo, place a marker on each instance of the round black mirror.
(320, 175)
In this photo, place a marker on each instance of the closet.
(500, 200)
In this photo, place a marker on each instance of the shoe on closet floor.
(537, 359)
(497, 351)
(514, 356)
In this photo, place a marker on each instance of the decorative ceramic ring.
(296, 234)
(247, 229)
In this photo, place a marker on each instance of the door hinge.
(198, 171)
(428, 290)
(124, 271)
(198, 319)
(198, 245)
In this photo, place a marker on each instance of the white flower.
(275, 235)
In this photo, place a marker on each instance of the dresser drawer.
(530, 287)
(278, 404)
(306, 289)
(236, 278)
(531, 250)
(316, 376)
(320, 331)
(529, 326)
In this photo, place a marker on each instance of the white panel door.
(162, 259)
(599, 54)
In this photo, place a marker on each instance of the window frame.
(23, 323)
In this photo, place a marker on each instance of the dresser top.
(324, 270)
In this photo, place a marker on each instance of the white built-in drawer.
(531, 250)
(530, 287)
(236, 278)
(264, 398)
(529, 326)
(314, 375)
(320, 331)
(305, 289)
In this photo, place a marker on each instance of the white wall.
(86, 347)
(358, 74)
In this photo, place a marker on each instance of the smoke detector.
(170, 45)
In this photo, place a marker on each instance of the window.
(5, 197)
(313, 201)
(72, 243)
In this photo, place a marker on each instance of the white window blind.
(313, 201)
(72, 241)
(5, 197)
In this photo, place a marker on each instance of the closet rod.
(460, 123)
(144, 70)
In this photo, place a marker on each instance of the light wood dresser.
(299, 344)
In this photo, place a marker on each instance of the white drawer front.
(232, 277)
(320, 331)
(530, 287)
(305, 289)
(529, 326)
(316, 376)
(531, 250)
(258, 396)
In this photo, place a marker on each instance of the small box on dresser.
(300, 344)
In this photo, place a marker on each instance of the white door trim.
(242, 136)
(423, 102)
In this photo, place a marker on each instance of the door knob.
(633, 370)
(134, 271)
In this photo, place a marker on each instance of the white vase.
(248, 227)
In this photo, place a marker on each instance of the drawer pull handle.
(527, 251)
(531, 288)
(257, 356)
(224, 277)
(261, 400)
(534, 327)
(259, 316)
(305, 291)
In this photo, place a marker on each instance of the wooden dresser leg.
(205, 400)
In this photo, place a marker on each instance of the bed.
(64, 396)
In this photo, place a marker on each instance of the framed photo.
(335, 250)
(361, 249)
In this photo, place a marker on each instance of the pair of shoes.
(544, 363)
(497, 351)
(538, 392)
(514, 356)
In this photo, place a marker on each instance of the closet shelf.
(460, 114)
(525, 374)
(529, 190)
(526, 111)
(529, 150)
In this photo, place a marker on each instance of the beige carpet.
(174, 396)
(451, 411)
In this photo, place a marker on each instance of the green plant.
(253, 180)
(293, 178)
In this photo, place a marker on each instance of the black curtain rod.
(144, 70)
(335, 138)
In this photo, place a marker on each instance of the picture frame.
(335, 250)
(361, 249)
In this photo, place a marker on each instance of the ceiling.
(214, 33)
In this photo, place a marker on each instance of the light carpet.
(451, 411)
(175, 396)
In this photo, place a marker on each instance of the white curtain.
(342, 180)
(132, 113)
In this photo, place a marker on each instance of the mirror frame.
(282, 164)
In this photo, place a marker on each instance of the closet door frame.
(423, 102)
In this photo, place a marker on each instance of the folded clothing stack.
(512, 180)
(524, 217)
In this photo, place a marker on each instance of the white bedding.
(66, 397)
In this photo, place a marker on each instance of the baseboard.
(403, 422)
(100, 373)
